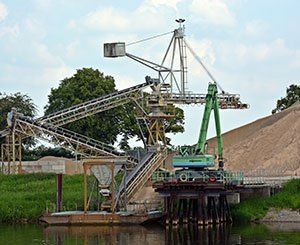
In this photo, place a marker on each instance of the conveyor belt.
(138, 177)
(94, 106)
(63, 137)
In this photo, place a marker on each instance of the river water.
(152, 235)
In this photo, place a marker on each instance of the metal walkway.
(142, 172)
(65, 138)
(226, 100)
(95, 106)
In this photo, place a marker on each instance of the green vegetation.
(26, 197)
(256, 208)
(23, 104)
(87, 84)
(292, 96)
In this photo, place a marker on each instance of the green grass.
(256, 208)
(25, 197)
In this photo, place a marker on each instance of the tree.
(23, 104)
(87, 84)
(84, 85)
(292, 96)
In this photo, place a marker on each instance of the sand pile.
(270, 145)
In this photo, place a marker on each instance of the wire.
(203, 66)
(149, 38)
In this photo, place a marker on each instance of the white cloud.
(214, 12)
(106, 19)
(3, 12)
(56, 73)
(274, 51)
(124, 81)
(149, 15)
(43, 4)
(71, 49)
(44, 55)
(35, 27)
(205, 50)
(13, 30)
(256, 28)
(169, 3)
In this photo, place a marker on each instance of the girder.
(95, 106)
(48, 127)
(226, 101)
(65, 138)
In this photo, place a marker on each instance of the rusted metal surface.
(195, 201)
(98, 218)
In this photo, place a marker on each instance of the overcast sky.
(251, 47)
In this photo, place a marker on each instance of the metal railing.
(226, 177)
(226, 100)
(141, 173)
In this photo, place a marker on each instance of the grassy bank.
(25, 197)
(256, 208)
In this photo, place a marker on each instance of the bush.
(256, 208)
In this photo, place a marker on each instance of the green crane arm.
(211, 103)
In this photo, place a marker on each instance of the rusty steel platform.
(197, 202)
(193, 188)
(99, 218)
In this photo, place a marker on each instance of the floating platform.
(99, 218)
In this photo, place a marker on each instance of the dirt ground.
(270, 145)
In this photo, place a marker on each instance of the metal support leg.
(201, 214)
(179, 210)
(228, 218)
(175, 210)
(167, 209)
(13, 150)
(20, 155)
(2, 159)
(85, 187)
(185, 211)
(190, 208)
(204, 210)
(215, 211)
(59, 192)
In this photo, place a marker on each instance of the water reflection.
(190, 234)
(187, 234)
(154, 234)
(104, 235)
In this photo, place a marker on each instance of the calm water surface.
(152, 235)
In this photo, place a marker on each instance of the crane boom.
(211, 103)
(197, 157)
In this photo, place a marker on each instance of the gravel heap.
(269, 146)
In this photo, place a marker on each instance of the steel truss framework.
(95, 106)
(48, 127)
